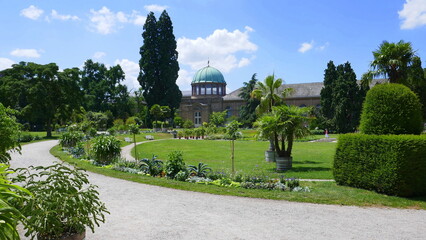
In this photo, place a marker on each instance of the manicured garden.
(321, 192)
(312, 160)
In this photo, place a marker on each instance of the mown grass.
(141, 137)
(41, 135)
(322, 192)
(311, 160)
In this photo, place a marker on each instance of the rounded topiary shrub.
(391, 109)
(106, 149)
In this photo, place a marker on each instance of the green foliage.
(10, 194)
(64, 202)
(201, 170)
(178, 121)
(174, 164)
(417, 82)
(218, 118)
(182, 176)
(391, 109)
(25, 137)
(105, 149)
(267, 93)
(341, 99)
(9, 133)
(152, 166)
(134, 129)
(248, 111)
(188, 124)
(118, 122)
(158, 63)
(103, 90)
(392, 60)
(70, 139)
(284, 124)
(390, 164)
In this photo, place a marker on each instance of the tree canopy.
(392, 61)
(341, 98)
(158, 64)
(248, 111)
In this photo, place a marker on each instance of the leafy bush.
(188, 124)
(182, 176)
(391, 109)
(9, 194)
(106, 149)
(390, 164)
(64, 202)
(200, 170)
(152, 166)
(25, 137)
(70, 139)
(217, 175)
(9, 133)
(174, 164)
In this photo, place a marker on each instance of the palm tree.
(284, 125)
(392, 60)
(268, 95)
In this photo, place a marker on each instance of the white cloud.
(5, 63)
(322, 47)
(138, 20)
(413, 14)
(222, 48)
(105, 21)
(184, 80)
(155, 8)
(56, 15)
(27, 53)
(99, 55)
(32, 12)
(306, 46)
(131, 69)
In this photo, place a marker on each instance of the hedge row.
(389, 164)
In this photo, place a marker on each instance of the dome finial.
(208, 62)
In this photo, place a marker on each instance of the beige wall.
(207, 105)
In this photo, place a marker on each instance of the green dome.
(208, 75)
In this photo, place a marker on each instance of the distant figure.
(326, 133)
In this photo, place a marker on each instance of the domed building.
(208, 81)
(209, 95)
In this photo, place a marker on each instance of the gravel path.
(141, 211)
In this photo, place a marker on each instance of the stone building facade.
(209, 95)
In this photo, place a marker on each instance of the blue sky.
(293, 39)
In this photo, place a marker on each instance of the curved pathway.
(140, 211)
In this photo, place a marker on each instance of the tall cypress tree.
(158, 64)
(149, 73)
(169, 66)
(341, 98)
(347, 100)
(327, 108)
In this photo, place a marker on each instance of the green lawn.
(311, 160)
(321, 192)
(141, 137)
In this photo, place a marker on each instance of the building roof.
(301, 90)
(208, 75)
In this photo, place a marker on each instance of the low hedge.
(389, 164)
